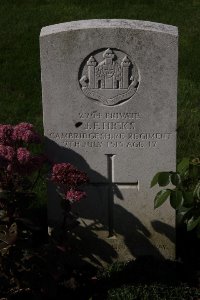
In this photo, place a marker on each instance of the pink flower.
(25, 132)
(7, 153)
(23, 156)
(76, 177)
(6, 134)
(74, 195)
(60, 172)
(67, 174)
(63, 167)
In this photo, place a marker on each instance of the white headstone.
(109, 91)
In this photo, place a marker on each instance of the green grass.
(20, 24)
(153, 292)
(135, 280)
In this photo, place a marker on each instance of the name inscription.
(117, 130)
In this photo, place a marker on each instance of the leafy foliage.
(28, 269)
(185, 196)
(161, 197)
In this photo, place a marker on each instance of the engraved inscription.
(109, 126)
(109, 76)
(115, 130)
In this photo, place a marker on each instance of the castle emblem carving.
(109, 76)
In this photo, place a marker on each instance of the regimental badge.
(109, 76)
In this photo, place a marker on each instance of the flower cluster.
(69, 178)
(23, 155)
(22, 132)
(15, 158)
(28, 163)
(7, 153)
(60, 173)
(66, 173)
(25, 132)
(6, 132)
(73, 195)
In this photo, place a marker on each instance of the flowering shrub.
(20, 168)
(16, 160)
(21, 265)
(68, 180)
(18, 165)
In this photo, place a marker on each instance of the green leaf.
(182, 214)
(161, 197)
(175, 179)
(193, 222)
(164, 178)
(183, 165)
(176, 199)
(189, 213)
(155, 179)
(196, 192)
(194, 171)
(188, 199)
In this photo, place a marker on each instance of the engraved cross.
(111, 184)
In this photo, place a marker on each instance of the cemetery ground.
(20, 87)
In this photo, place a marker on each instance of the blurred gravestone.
(109, 91)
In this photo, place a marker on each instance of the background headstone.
(109, 91)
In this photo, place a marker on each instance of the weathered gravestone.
(109, 101)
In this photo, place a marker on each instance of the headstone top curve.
(109, 23)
